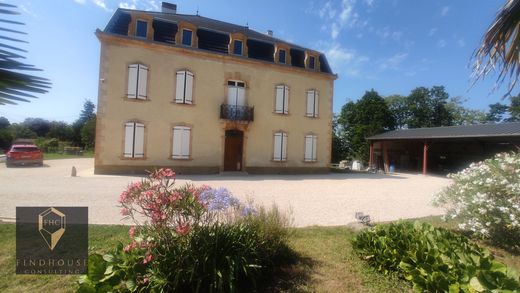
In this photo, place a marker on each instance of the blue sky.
(391, 46)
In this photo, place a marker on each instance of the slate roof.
(215, 25)
(465, 131)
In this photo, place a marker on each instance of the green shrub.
(190, 239)
(433, 259)
(486, 198)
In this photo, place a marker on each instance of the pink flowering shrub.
(189, 238)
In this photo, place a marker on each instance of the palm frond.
(500, 48)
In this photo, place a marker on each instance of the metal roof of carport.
(464, 131)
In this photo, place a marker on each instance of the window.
(236, 93)
(312, 104)
(184, 89)
(280, 146)
(134, 140)
(181, 142)
(137, 79)
(186, 37)
(141, 28)
(282, 99)
(237, 47)
(281, 57)
(310, 148)
(312, 62)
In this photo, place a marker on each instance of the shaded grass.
(57, 156)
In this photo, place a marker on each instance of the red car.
(24, 154)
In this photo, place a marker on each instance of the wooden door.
(233, 150)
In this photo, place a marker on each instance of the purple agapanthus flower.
(249, 211)
(219, 199)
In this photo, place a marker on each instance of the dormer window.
(187, 37)
(312, 62)
(237, 47)
(141, 28)
(281, 56)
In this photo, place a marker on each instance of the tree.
(5, 135)
(60, 130)
(88, 133)
(496, 113)
(4, 122)
(514, 109)
(340, 145)
(366, 117)
(20, 130)
(398, 106)
(428, 108)
(86, 115)
(14, 84)
(462, 115)
(39, 126)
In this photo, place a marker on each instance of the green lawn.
(326, 263)
(56, 156)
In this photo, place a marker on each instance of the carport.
(441, 149)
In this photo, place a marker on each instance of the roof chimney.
(168, 8)
(270, 33)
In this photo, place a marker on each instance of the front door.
(233, 150)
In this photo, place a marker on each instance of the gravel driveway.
(328, 199)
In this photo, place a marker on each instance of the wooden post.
(425, 158)
(386, 164)
(371, 160)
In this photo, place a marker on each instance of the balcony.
(237, 113)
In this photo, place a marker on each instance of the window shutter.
(188, 98)
(139, 141)
(316, 103)
(129, 140)
(310, 104)
(232, 95)
(279, 99)
(179, 90)
(177, 143)
(314, 144)
(142, 82)
(185, 150)
(286, 100)
(241, 96)
(277, 147)
(308, 148)
(132, 81)
(284, 146)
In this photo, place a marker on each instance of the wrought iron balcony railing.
(238, 113)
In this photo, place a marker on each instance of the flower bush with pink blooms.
(189, 238)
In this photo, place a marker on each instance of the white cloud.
(80, 1)
(127, 5)
(28, 10)
(343, 60)
(394, 62)
(432, 31)
(369, 2)
(441, 43)
(339, 15)
(445, 10)
(102, 4)
(461, 42)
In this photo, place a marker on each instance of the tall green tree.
(88, 133)
(428, 107)
(340, 145)
(368, 116)
(5, 134)
(497, 112)
(87, 114)
(462, 115)
(397, 104)
(15, 84)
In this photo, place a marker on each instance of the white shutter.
(142, 82)
(277, 151)
(286, 100)
(185, 149)
(139, 141)
(279, 99)
(284, 146)
(316, 103)
(129, 140)
(308, 148)
(232, 95)
(179, 90)
(314, 144)
(188, 97)
(132, 81)
(181, 142)
(310, 104)
(241, 96)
